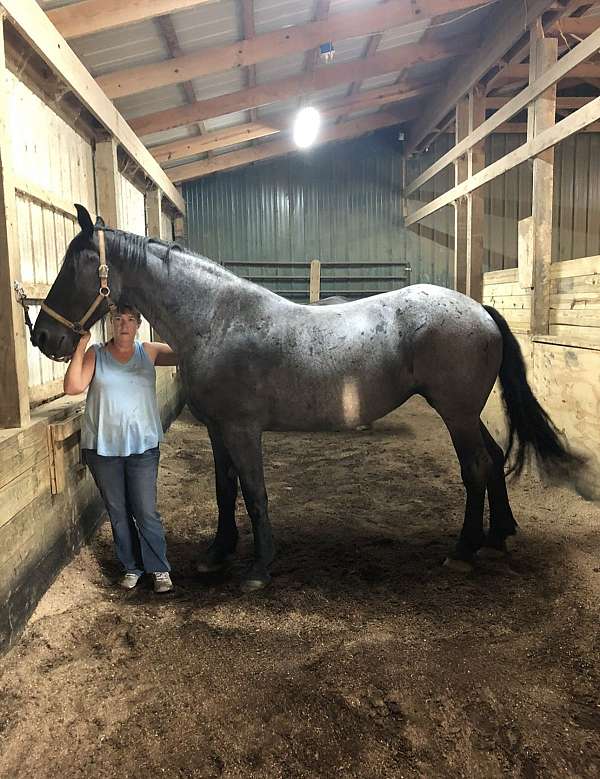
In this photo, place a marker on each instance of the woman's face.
(125, 326)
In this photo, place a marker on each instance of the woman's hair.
(124, 307)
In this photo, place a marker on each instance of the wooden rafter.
(388, 61)
(168, 32)
(90, 16)
(34, 27)
(312, 56)
(549, 21)
(371, 48)
(574, 123)
(506, 24)
(549, 78)
(278, 43)
(511, 73)
(580, 26)
(230, 136)
(278, 148)
(248, 33)
(562, 103)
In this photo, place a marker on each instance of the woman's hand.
(84, 339)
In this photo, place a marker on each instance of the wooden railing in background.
(315, 282)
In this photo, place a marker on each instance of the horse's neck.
(176, 294)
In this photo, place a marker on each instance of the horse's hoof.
(208, 565)
(253, 584)
(460, 566)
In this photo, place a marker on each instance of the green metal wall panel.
(338, 203)
(343, 203)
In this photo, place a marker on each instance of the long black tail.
(528, 422)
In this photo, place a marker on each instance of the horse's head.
(77, 286)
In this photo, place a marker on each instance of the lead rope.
(21, 298)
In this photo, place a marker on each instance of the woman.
(120, 438)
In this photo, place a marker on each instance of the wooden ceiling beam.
(561, 102)
(278, 43)
(312, 56)
(505, 27)
(278, 148)
(241, 133)
(91, 16)
(521, 73)
(248, 34)
(34, 27)
(389, 61)
(553, 17)
(168, 32)
(580, 26)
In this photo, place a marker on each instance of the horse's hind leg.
(244, 446)
(502, 522)
(475, 467)
(226, 483)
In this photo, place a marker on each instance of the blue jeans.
(128, 488)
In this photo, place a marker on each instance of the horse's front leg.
(226, 484)
(245, 448)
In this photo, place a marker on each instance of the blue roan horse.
(253, 361)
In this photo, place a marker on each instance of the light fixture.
(326, 52)
(306, 127)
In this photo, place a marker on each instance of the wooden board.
(567, 383)
(38, 31)
(506, 276)
(22, 451)
(25, 488)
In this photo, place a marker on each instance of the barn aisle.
(365, 658)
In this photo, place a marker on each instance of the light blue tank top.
(121, 414)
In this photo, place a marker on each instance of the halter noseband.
(103, 293)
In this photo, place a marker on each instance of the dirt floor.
(365, 657)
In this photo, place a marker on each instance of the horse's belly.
(340, 405)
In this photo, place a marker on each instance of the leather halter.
(103, 293)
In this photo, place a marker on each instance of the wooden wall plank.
(14, 379)
(21, 491)
(541, 118)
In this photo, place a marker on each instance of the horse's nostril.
(60, 343)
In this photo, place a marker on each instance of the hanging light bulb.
(306, 127)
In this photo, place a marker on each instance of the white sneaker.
(162, 582)
(129, 581)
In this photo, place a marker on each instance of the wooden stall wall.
(166, 227)
(49, 504)
(563, 366)
(133, 219)
(53, 170)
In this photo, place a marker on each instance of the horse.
(252, 361)
(333, 300)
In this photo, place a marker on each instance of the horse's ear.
(85, 220)
(100, 222)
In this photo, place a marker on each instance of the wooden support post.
(154, 213)
(460, 205)
(179, 230)
(475, 201)
(315, 281)
(107, 183)
(524, 249)
(541, 116)
(14, 376)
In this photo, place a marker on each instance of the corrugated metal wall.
(343, 203)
